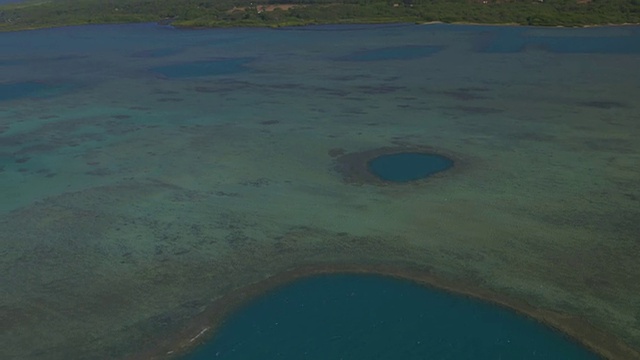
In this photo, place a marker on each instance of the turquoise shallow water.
(145, 171)
(355, 317)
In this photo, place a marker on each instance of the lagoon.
(146, 173)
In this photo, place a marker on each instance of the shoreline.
(587, 26)
(204, 326)
(277, 26)
(285, 25)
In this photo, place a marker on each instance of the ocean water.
(147, 171)
(22, 90)
(367, 317)
(204, 68)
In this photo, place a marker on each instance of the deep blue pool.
(405, 167)
(359, 317)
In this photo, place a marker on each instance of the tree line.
(217, 13)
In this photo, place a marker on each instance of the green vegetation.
(215, 13)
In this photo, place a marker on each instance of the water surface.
(203, 68)
(368, 317)
(145, 171)
(405, 167)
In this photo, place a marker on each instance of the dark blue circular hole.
(370, 317)
(410, 166)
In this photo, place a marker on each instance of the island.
(35, 14)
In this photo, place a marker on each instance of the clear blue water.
(405, 167)
(355, 317)
(145, 170)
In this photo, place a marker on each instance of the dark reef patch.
(269, 122)
(350, 77)
(532, 136)
(227, 85)
(331, 92)
(258, 183)
(603, 104)
(335, 152)
(156, 53)
(354, 111)
(32, 90)
(165, 92)
(203, 68)
(378, 89)
(478, 110)
(38, 148)
(355, 168)
(393, 53)
(165, 100)
(99, 172)
(286, 86)
(208, 89)
(139, 108)
(464, 94)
